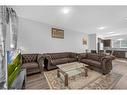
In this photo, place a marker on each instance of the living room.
(76, 47)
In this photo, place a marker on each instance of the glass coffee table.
(71, 69)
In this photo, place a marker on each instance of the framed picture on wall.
(57, 33)
(85, 40)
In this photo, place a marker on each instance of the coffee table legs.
(66, 80)
(58, 73)
(65, 77)
(86, 72)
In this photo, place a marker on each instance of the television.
(14, 65)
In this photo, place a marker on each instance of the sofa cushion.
(82, 55)
(93, 56)
(91, 62)
(30, 65)
(72, 59)
(60, 61)
(72, 55)
(59, 55)
(26, 58)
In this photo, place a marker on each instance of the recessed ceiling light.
(125, 18)
(66, 10)
(114, 34)
(101, 28)
(12, 46)
(110, 32)
(119, 39)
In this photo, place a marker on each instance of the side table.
(20, 81)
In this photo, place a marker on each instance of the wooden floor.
(36, 81)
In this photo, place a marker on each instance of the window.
(123, 43)
(116, 44)
(120, 44)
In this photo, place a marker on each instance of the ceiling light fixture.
(119, 39)
(115, 34)
(66, 10)
(125, 18)
(110, 32)
(12, 46)
(101, 28)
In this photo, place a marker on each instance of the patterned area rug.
(94, 80)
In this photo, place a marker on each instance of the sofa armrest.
(40, 61)
(22, 60)
(48, 57)
(105, 57)
(106, 63)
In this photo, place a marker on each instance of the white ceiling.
(80, 18)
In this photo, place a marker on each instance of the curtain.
(4, 18)
(7, 17)
(13, 22)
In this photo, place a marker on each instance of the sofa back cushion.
(59, 55)
(72, 55)
(62, 55)
(82, 55)
(93, 56)
(27, 58)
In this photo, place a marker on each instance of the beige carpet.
(94, 80)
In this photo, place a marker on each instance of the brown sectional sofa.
(53, 59)
(99, 62)
(32, 63)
